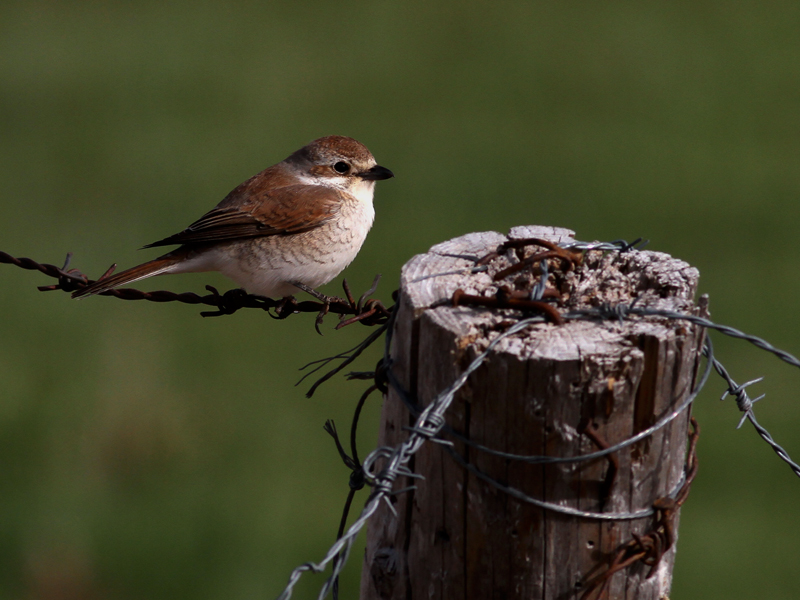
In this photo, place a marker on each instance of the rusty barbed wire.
(366, 311)
(650, 547)
(430, 423)
(481, 262)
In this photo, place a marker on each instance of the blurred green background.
(148, 453)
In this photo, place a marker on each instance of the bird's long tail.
(162, 264)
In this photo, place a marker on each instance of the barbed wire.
(366, 311)
(618, 245)
(481, 265)
(745, 404)
(743, 401)
(426, 428)
(430, 423)
(670, 416)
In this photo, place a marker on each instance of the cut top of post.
(652, 279)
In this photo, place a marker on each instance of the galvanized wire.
(430, 423)
(739, 392)
(618, 245)
(708, 351)
(745, 404)
(426, 428)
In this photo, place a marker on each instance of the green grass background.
(148, 453)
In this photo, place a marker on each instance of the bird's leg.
(346, 288)
(325, 299)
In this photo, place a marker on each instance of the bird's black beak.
(376, 173)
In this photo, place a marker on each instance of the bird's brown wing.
(286, 210)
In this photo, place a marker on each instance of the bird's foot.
(324, 299)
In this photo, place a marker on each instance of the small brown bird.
(301, 221)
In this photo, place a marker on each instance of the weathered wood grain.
(456, 537)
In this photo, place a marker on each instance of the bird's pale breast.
(266, 266)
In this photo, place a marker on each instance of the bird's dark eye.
(341, 167)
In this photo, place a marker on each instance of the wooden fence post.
(457, 537)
